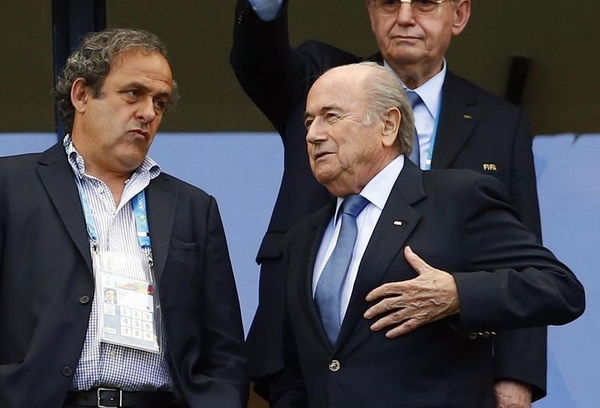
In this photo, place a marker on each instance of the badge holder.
(128, 313)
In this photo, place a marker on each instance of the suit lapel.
(59, 181)
(459, 116)
(396, 223)
(162, 204)
(316, 226)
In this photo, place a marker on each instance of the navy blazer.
(47, 286)
(457, 221)
(477, 131)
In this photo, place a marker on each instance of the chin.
(324, 176)
(130, 163)
(404, 55)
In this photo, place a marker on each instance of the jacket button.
(84, 300)
(334, 365)
(67, 371)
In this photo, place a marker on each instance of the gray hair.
(92, 60)
(385, 91)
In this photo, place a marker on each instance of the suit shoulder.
(19, 161)
(327, 54)
(18, 166)
(183, 187)
(463, 182)
(465, 87)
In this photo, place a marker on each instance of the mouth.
(406, 38)
(319, 155)
(144, 133)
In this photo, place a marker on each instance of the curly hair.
(92, 60)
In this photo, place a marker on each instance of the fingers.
(403, 329)
(512, 394)
(400, 322)
(418, 264)
(393, 319)
(385, 290)
(397, 288)
(384, 306)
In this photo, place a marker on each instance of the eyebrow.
(139, 85)
(323, 109)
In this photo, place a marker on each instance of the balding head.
(358, 120)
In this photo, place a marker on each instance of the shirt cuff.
(267, 10)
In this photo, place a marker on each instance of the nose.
(405, 14)
(315, 132)
(145, 112)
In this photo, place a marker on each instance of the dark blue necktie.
(415, 154)
(329, 287)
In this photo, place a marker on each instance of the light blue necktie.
(415, 154)
(329, 287)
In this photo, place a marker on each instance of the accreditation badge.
(126, 308)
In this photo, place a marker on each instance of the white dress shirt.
(377, 192)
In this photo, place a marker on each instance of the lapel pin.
(489, 167)
(467, 116)
(398, 223)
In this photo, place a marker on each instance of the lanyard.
(429, 155)
(140, 215)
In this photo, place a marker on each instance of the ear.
(391, 123)
(79, 95)
(461, 16)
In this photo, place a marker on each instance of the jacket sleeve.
(523, 186)
(219, 376)
(267, 68)
(520, 354)
(512, 281)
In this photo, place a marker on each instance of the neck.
(115, 181)
(415, 75)
(354, 182)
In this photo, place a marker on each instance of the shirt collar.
(431, 91)
(379, 187)
(78, 163)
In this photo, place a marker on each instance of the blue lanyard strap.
(87, 213)
(427, 165)
(140, 215)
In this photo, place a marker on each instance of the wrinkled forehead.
(140, 65)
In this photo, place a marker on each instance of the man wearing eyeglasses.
(459, 125)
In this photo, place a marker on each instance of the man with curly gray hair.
(94, 216)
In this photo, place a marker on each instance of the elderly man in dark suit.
(116, 288)
(459, 126)
(397, 288)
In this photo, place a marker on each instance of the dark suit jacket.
(457, 221)
(47, 286)
(476, 129)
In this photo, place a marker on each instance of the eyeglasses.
(418, 6)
